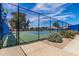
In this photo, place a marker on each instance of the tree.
(27, 24)
(22, 20)
(56, 24)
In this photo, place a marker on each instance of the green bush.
(67, 34)
(54, 37)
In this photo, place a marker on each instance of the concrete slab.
(42, 49)
(12, 51)
(50, 51)
(35, 49)
(73, 46)
(28, 48)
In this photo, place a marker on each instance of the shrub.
(67, 34)
(54, 37)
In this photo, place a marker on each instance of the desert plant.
(67, 34)
(55, 37)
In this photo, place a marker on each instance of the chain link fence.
(27, 26)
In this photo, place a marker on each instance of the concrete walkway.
(34, 49)
(11, 51)
(73, 46)
(42, 49)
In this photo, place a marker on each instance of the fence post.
(50, 25)
(17, 29)
(78, 27)
(38, 26)
(1, 27)
(57, 27)
(62, 25)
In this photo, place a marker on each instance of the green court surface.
(25, 36)
(29, 36)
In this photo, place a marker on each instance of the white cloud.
(40, 6)
(59, 17)
(64, 17)
(54, 9)
(56, 13)
(47, 6)
(54, 5)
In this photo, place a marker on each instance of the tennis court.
(25, 36)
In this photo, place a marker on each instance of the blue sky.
(68, 12)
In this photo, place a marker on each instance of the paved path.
(73, 46)
(11, 51)
(34, 49)
(42, 49)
